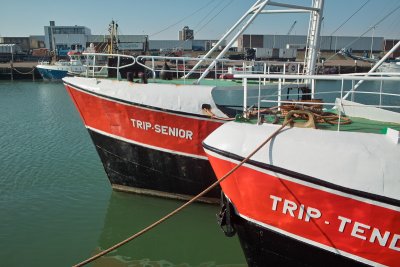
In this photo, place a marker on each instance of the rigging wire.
(338, 28)
(369, 29)
(182, 42)
(392, 29)
(376, 24)
(208, 14)
(191, 14)
(222, 9)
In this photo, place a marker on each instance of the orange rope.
(184, 205)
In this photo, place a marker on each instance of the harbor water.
(57, 207)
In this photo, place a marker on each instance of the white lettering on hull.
(348, 226)
(162, 129)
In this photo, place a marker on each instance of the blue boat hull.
(51, 74)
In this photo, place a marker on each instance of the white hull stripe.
(146, 145)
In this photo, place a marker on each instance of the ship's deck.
(356, 125)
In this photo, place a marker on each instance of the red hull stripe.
(165, 130)
(308, 180)
(362, 229)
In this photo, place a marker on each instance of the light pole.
(372, 40)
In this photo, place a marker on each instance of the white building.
(65, 38)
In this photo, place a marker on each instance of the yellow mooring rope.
(104, 252)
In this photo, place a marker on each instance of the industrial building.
(127, 43)
(187, 45)
(327, 43)
(65, 38)
(23, 43)
(389, 43)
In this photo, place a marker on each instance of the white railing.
(93, 68)
(381, 80)
(179, 67)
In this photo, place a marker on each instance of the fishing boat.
(61, 68)
(389, 66)
(324, 192)
(320, 186)
(148, 124)
(148, 135)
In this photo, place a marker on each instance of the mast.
(53, 42)
(314, 29)
(259, 8)
(225, 36)
(113, 42)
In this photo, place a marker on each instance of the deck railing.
(376, 87)
(97, 64)
(179, 67)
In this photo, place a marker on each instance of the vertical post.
(372, 41)
(284, 72)
(12, 63)
(259, 101)
(341, 104)
(177, 68)
(94, 64)
(380, 93)
(11, 71)
(118, 74)
(244, 96)
(184, 67)
(312, 88)
(298, 71)
(153, 67)
(279, 93)
(87, 66)
(265, 70)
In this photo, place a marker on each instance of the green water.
(57, 207)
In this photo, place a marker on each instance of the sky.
(210, 19)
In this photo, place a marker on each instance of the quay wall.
(19, 71)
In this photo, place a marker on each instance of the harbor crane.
(291, 27)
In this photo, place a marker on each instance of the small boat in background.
(61, 68)
(389, 66)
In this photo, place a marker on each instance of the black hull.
(139, 169)
(264, 247)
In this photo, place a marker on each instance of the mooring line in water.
(104, 252)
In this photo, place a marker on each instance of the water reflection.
(190, 238)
